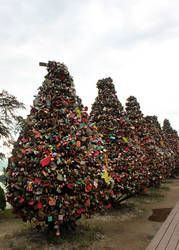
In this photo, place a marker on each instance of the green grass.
(168, 181)
(80, 238)
(26, 235)
(83, 236)
(6, 214)
(153, 193)
(165, 188)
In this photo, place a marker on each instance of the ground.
(125, 228)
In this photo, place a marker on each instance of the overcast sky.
(135, 42)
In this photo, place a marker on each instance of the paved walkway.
(167, 238)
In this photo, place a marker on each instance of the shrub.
(2, 199)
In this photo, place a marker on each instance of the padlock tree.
(58, 169)
(164, 151)
(115, 129)
(170, 153)
(152, 161)
(173, 140)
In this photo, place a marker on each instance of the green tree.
(2, 199)
(10, 121)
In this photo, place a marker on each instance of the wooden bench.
(167, 238)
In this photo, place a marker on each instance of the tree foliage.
(2, 199)
(10, 121)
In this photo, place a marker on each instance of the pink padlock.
(58, 231)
